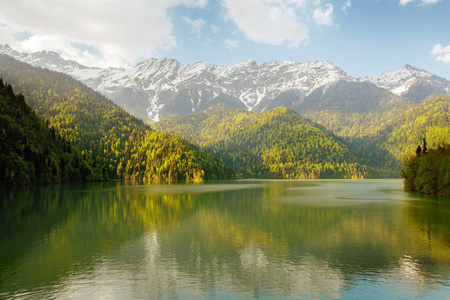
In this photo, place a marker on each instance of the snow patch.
(400, 90)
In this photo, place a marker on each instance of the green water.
(241, 239)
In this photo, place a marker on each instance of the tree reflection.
(248, 239)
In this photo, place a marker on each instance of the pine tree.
(418, 150)
(424, 147)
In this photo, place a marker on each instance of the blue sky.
(364, 37)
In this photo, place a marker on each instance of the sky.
(363, 37)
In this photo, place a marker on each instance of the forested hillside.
(379, 125)
(379, 128)
(275, 144)
(32, 153)
(352, 109)
(428, 170)
(111, 137)
(430, 120)
(399, 136)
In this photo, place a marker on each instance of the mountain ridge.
(158, 89)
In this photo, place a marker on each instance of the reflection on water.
(243, 239)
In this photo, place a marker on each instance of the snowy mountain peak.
(248, 63)
(411, 82)
(46, 59)
(5, 48)
(160, 88)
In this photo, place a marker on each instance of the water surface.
(240, 239)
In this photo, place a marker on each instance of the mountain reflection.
(244, 239)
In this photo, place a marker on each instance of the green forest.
(363, 141)
(399, 136)
(363, 132)
(109, 136)
(33, 153)
(384, 132)
(275, 144)
(428, 170)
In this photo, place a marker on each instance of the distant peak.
(158, 61)
(6, 49)
(409, 67)
(280, 63)
(248, 62)
(170, 60)
(200, 63)
(414, 69)
(48, 53)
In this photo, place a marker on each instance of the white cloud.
(196, 26)
(231, 44)
(324, 15)
(426, 2)
(120, 31)
(422, 2)
(269, 21)
(215, 29)
(441, 53)
(346, 6)
(6, 33)
(404, 2)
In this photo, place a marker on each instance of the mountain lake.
(359, 239)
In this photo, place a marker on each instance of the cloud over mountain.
(116, 33)
(362, 36)
(102, 33)
(441, 53)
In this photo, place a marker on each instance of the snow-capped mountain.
(169, 88)
(412, 83)
(46, 59)
(160, 88)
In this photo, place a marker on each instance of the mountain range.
(315, 121)
(158, 89)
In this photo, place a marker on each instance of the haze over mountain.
(157, 89)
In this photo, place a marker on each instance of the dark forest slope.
(31, 152)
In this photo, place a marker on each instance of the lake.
(239, 239)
